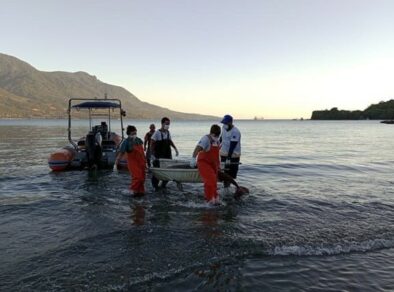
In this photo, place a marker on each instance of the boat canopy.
(97, 104)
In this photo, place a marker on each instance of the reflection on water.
(209, 220)
(319, 215)
(138, 214)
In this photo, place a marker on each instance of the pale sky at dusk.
(276, 59)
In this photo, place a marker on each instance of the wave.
(340, 248)
(310, 166)
(21, 200)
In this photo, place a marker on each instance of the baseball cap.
(227, 119)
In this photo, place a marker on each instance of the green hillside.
(26, 92)
(381, 111)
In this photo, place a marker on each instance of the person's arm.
(196, 150)
(118, 155)
(233, 144)
(235, 138)
(203, 145)
(227, 178)
(122, 150)
(193, 161)
(173, 146)
(153, 147)
(145, 141)
(98, 138)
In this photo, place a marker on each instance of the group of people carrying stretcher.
(220, 146)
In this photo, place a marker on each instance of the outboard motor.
(94, 151)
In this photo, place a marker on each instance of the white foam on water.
(21, 200)
(340, 248)
(199, 205)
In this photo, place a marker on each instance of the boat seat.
(108, 144)
(104, 144)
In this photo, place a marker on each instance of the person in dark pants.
(230, 149)
(147, 142)
(161, 144)
(94, 151)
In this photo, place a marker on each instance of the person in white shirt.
(230, 149)
(206, 157)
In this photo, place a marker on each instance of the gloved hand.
(193, 162)
(152, 157)
(176, 152)
(227, 163)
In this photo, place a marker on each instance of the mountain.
(26, 92)
(380, 111)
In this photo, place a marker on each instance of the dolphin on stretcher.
(180, 172)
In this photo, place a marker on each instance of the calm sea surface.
(319, 217)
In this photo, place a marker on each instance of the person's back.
(93, 142)
(104, 130)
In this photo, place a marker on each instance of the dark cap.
(227, 119)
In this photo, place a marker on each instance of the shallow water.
(320, 215)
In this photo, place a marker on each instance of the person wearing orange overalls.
(136, 163)
(206, 156)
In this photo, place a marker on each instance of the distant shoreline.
(181, 120)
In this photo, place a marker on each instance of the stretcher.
(176, 170)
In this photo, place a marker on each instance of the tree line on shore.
(383, 110)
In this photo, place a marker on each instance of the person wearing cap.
(206, 156)
(147, 142)
(161, 144)
(230, 150)
(136, 163)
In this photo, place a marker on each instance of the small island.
(383, 110)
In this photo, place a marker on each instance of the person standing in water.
(230, 148)
(136, 163)
(206, 156)
(161, 144)
(147, 142)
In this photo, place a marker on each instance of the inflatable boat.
(97, 149)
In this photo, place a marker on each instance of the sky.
(277, 59)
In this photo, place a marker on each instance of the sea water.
(319, 216)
